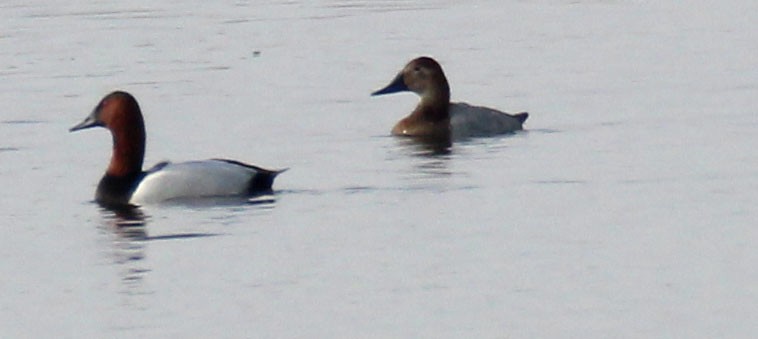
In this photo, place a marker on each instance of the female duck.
(436, 116)
(125, 182)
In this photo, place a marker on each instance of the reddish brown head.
(120, 113)
(425, 77)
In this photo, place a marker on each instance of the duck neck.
(128, 150)
(434, 105)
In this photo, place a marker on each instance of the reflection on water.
(126, 229)
(127, 222)
(126, 225)
(426, 147)
(428, 161)
(264, 200)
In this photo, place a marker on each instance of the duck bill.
(397, 85)
(89, 122)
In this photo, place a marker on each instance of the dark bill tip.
(89, 122)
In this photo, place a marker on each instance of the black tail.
(263, 180)
(521, 117)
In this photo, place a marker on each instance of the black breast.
(117, 190)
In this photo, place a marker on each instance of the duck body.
(467, 121)
(125, 183)
(436, 116)
(191, 179)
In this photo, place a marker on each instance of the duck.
(126, 183)
(435, 116)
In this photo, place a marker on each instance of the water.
(625, 210)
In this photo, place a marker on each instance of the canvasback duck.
(436, 116)
(125, 183)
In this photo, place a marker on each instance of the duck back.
(467, 121)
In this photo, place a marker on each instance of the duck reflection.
(429, 157)
(126, 230)
(126, 226)
(127, 222)
(434, 147)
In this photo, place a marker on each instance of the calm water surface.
(627, 208)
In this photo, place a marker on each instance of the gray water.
(626, 209)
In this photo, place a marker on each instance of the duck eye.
(417, 69)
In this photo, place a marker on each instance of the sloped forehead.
(425, 62)
(119, 99)
(118, 107)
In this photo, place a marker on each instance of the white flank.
(193, 179)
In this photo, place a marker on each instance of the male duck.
(435, 116)
(125, 182)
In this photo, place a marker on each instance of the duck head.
(120, 113)
(423, 76)
(114, 110)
